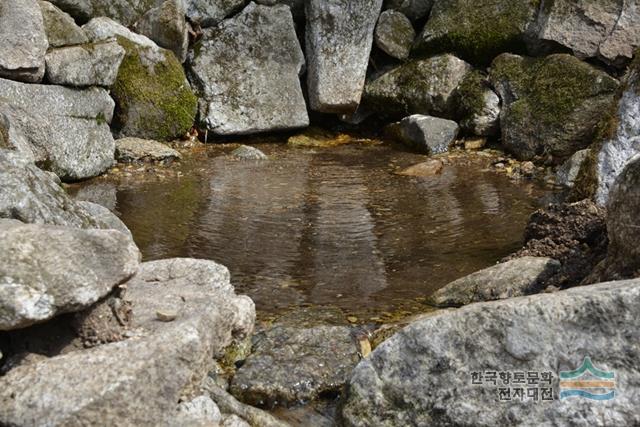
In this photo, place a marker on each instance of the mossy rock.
(551, 106)
(153, 97)
(478, 30)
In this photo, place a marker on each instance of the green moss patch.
(153, 98)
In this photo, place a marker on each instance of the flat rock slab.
(138, 381)
(423, 374)
(144, 150)
(426, 134)
(23, 41)
(94, 64)
(339, 36)
(68, 128)
(47, 270)
(515, 278)
(263, 92)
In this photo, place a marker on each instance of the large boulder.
(246, 72)
(153, 97)
(425, 374)
(67, 130)
(290, 365)
(425, 134)
(478, 30)
(623, 255)
(516, 278)
(207, 13)
(126, 12)
(138, 381)
(420, 87)
(339, 36)
(551, 106)
(47, 270)
(94, 64)
(477, 105)
(61, 29)
(616, 142)
(23, 41)
(394, 34)
(605, 29)
(166, 25)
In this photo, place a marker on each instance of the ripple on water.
(330, 226)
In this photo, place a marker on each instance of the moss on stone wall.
(153, 98)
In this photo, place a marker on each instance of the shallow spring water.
(326, 226)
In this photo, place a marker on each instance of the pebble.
(166, 315)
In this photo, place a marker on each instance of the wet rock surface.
(426, 134)
(293, 362)
(546, 333)
(143, 150)
(48, 270)
(245, 152)
(519, 277)
(259, 44)
(575, 234)
(339, 36)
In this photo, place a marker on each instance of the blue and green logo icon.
(587, 382)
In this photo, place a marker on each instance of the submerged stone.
(263, 92)
(144, 150)
(245, 152)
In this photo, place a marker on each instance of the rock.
(153, 97)
(315, 137)
(109, 320)
(600, 29)
(568, 173)
(551, 106)
(103, 193)
(104, 217)
(394, 34)
(542, 333)
(413, 9)
(23, 41)
(426, 134)
(477, 105)
(573, 233)
(48, 270)
(296, 6)
(339, 36)
(142, 150)
(244, 152)
(478, 30)
(126, 12)
(419, 87)
(103, 29)
(60, 28)
(231, 405)
(424, 169)
(140, 380)
(292, 364)
(235, 421)
(200, 411)
(616, 142)
(519, 277)
(475, 143)
(94, 64)
(623, 256)
(207, 13)
(67, 130)
(166, 25)
(267, 56)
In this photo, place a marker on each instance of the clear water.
(326, 226)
